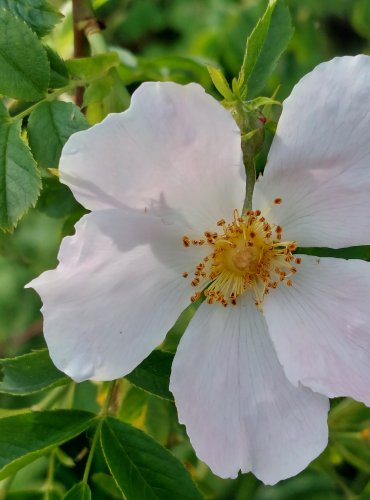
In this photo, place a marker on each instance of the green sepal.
(220, 82)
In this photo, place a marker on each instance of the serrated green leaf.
(24, 66)
(153, 374)
(79, 491)
(20, 180)
(89, 69)
(59, 76)
(107, 484)
(29, 374)
(38, 14)
(265, 45)
(220, 82)
(56, 120)
(25, 437)
(143, 469)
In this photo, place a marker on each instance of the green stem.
(49, 97)
(349, 495)
(86, 25)
(70, 395)
(50, 476)
(250, 170)
(102, 414)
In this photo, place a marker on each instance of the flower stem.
(250, 170)
(102, 414)
(50, 476)
(252, 138)
(49, 97)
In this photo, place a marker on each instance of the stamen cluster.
(247, 254)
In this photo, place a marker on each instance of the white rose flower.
(277, 333)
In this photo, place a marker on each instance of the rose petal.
(117, 291)
(239, 409)
(175, 149)
(319, 160)
(321, 326)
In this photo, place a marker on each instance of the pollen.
(246, 255)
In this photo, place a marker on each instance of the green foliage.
(106, 95)
(19, 177)
(107, 485)
(265, 45)
(24, 66)
(59, 76)
(79, 491)
(145, 42)
(153, 374)
(38, 14)
(144, 470)
(25, 437)
(361, 17)
(30, 373)
(91, 68)
(220, 82)
(57, 121)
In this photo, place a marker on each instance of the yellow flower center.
(247, 254)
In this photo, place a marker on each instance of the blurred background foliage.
(173, 40)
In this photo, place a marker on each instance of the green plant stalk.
(85, 27)
(50, 476)
(250, 170)
(102, 414)
(97, 43)
(53, 95)
(252, 138)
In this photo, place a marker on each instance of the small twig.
(83, 16)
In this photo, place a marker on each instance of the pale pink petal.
(321, 326)
(175, 149)
(240, 411)
(319, 162)
(117, 291)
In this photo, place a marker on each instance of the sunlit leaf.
(265, 45)
(220, 82)
(92, 68)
